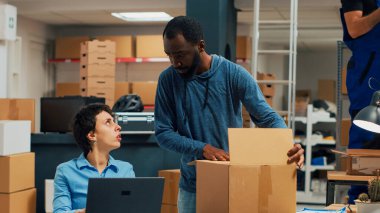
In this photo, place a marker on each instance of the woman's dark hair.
(189, 27)
(85, 122)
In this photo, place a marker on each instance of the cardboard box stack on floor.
(170, 196)
(97, 70)
(257, 179)
(18, 109)
(267, 89)
(17, 176)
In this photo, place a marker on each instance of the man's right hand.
(212, 153)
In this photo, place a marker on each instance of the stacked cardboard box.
(18, 109)
(327, 90)
(69, 47)
(73, 89)
(256, 179)
(302, 100)
(17, 191)
(267, 89)
(170, 196)
(97, 70)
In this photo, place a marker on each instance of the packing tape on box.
(265, 185)
(13, 111)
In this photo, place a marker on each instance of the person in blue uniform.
(361, 34)
(198, 98)
(97, 135)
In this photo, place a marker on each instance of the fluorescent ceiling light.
(143, 16)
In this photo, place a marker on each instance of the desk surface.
(340, 206)
(341, 175)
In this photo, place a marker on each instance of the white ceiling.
(318, 20)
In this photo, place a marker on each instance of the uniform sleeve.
(352, 5)
(166, 122)
(253, 100)
(62, 195)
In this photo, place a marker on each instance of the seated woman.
(97, 135)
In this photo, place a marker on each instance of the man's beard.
(191, 71)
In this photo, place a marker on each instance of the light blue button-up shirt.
(71, 181)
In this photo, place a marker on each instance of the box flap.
(359, 152)
(259, 146)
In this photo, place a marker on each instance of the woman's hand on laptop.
(81, 211)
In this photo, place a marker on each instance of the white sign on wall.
(8, 22)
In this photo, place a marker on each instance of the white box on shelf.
(8, 22)
(14, 137)
(49, 195)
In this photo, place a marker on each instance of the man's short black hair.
(85, 122)
(189, 27)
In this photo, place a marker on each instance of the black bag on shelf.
(57, 113)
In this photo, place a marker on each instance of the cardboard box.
(107, 93)
(98, 58)
(69, 47)
(49, 195)
(19, 202)
(267, 89)
(17, 172)
(146, 90)
(98, 70)
(345, 131)
(265, 76)
(166, 208)
(97, 47)
(67, 89)
(18, 109)
(124, 45)
(150, 46)
(14, 137)
(97, 82)
(171, 186)
(257, 178)
(361, 161)
(344, 77)
(243, 47)
(302, 100)
(327, 90)
(269, 100)
(121, 89)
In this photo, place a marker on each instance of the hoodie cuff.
(200, 150)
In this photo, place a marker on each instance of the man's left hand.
(295, 154)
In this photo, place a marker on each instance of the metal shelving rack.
(341, 47)
(291, 52)
(312, 118)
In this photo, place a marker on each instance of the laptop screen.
(126, 195)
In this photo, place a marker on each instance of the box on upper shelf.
(150, 46)
(97, 47)
(69, 47)
(124, 45)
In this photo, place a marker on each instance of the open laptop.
(126, 195)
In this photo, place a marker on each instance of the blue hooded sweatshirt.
(190, 113)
